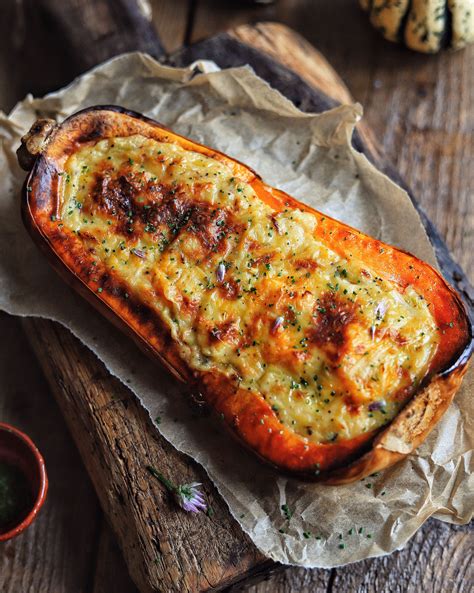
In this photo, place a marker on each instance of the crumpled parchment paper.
(310, 157)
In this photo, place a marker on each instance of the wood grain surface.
(439, 557)
(59, 550)
(166, 550)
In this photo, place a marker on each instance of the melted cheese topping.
(253, 293)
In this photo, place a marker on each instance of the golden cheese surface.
(249, 291)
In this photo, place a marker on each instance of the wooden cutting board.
(168, 550)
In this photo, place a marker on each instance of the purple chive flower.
(380, 311)
(190, 498)
(220, 272)
(187, 496)
(376, 406)
(138, 253)
(277, 324)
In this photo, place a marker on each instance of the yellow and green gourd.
(424, 25)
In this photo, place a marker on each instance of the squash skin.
(347, 460)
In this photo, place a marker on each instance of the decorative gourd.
(424, 25)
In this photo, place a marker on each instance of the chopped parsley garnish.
(286, 511)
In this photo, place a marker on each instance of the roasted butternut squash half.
(328, 353)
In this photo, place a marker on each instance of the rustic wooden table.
(421, 110)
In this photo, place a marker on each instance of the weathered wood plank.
(293, 51)
(171, 20)
(46, 43)
(95, 30)
(111, 574)
(281, 43)
(211, 17)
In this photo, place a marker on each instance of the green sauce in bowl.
(15, 494)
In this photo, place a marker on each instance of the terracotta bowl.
(18, 450)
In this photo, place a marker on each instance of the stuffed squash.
(328, 353)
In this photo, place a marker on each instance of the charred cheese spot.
(248, 291)
(332, 318)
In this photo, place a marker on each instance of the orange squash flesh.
(250, 417)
